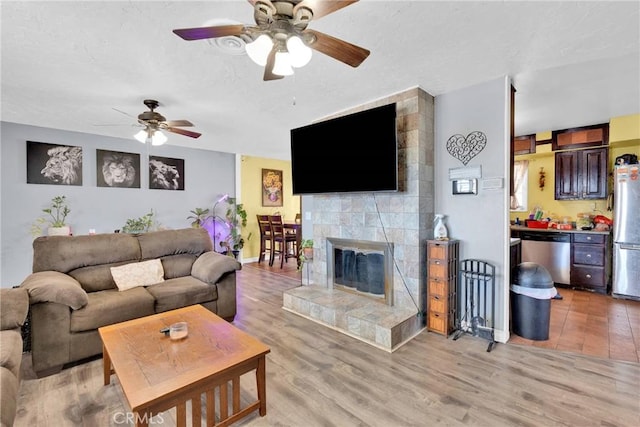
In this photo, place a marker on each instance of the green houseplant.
(236, 218)
(199, 216)
(139, 225)
(56, 218)
(305, 253)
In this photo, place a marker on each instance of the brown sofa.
(14, 305)
(72, 290)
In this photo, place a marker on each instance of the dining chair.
(266, 238)
(284, 244)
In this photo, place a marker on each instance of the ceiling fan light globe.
(300, 54)
(282, 67)
(258, 50)
(141, 136)
(158, 138)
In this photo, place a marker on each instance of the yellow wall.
(624, 137)
(251, 191)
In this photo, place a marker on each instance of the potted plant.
(199, 217)
(57, 214)
(305, 253)
(236, 218)
(139, 225)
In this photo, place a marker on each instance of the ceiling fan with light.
(281, 40)
(154, 122)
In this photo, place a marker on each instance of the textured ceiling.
(70, 65)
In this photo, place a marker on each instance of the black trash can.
(531, 296)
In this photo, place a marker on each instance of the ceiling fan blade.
(322, 8)
(268, 68)
(171, 123)
(184, 132)
(122, 112)
(341, 50)
(210, 32)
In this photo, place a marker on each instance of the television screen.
(353, 153)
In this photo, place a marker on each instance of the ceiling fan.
(281, 40)
(153, 122)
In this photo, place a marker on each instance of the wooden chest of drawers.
(442, 279)
(591, 262)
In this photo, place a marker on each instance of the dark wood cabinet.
(582, 137)
(581, 174)
(591, 261)
(442, 257)
(524, 144)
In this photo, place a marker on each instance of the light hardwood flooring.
(319, 377)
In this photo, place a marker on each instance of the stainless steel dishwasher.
(552, 250)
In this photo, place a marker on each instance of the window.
(520, 184)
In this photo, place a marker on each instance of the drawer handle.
(436, 315)
(436, 297)
(588, 276)
(588, 255)
(437, 262)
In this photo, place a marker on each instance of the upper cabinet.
(581, 174)
(582, 137)
(524, 144)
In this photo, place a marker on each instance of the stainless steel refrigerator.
(626, 232)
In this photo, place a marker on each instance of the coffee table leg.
(106, 365)
(261, 385)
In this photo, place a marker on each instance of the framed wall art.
(53, 164)
(271, 187)
(166, 173)
(117, 169)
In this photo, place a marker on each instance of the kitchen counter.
(553, 230)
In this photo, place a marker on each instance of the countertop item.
(553, 230)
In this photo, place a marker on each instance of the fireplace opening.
(361, 267)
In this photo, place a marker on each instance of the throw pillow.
(135, 274)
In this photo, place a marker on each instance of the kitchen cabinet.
(581, 174)
(442, 271)
(591, 261)
(582, 137)
(524, 144)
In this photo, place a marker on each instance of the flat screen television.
(353, 153)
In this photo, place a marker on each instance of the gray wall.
(208, 174)
(479, 221)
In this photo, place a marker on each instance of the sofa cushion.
(172, 242)
(177, 265)
(96, 277)
(181, 292)
(112, 306)
(14, 306)
(9, 394)
(52, 286)
(138, 274)
(66, 253)
(11, 350)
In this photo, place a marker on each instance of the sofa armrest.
(14, 306)
(53, 286)
(211, 266)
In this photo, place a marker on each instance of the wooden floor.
(319, 377)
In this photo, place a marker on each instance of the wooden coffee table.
(157, 373)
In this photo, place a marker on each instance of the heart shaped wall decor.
(465, 149)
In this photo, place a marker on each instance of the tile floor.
(592, 324)
(581, 322)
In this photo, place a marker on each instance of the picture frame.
(53, 164)
(117, 169)
(271, 187)
(166, 173)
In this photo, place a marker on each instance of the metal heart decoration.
(465, 149)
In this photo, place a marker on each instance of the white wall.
(479, 221)
(207, 175)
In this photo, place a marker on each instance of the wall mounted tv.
(353, 153)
